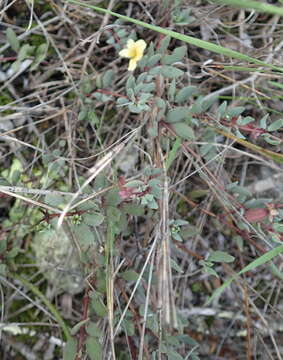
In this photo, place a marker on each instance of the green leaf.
(270, 140)
(54, 199)
(262, 121)
(24, 52)
(245, 120)
(40, 55)
(121, 101)
(209, 270)
(164, 44)
(93, 348)
(181, 222)
(134, 183)
(131, 83)
(138, 108)
(176, 56)
(160, 103)
(108, 78)
(99, 308)
(171, 72)
(12, 39)
(133, 209)
(92, 117)
(77, 327)
(113, 198)
(129, 327)
(237, 189)
(88, 205)
(93, 330)
(3, 269)
(173, 355)
(206, 104)
(239, 134)
(220, 256)
(276, 125)
(13, 252)
(173, 152)
(177, 114)
(144, 97)
(142, 77)
(235, 111)
(3, 245)
(141, 88)
(183, 95)
(183, 130)
(129, 275)
(278, 227)
(152, 204)
(153, 60)
(155, 70)
(93, 219)
(172, 90)
(84, 235)
(70, 349)
(222, 109)
(176, 236)
(149, 87)
(82, 114)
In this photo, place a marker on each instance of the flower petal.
(141, 44)
(130, 43)
(132, 65)
(124, 53)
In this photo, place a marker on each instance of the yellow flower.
(134, 52)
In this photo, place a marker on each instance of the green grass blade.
(254, 5)
(188, 39)
(173, 152)
(276, 84)
(254, 264)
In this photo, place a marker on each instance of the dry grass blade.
(101, 164)
(166, 298)
(165, 180)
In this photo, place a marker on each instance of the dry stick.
(28, 200)
(166, 292)
(23, 67)
(212, 185)
(252, 78)
(239, 82)
(40, 192)
(248, 323)
(94, 170)
(142, 345)
(267, 327)
(101, 164)
(50, 39)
